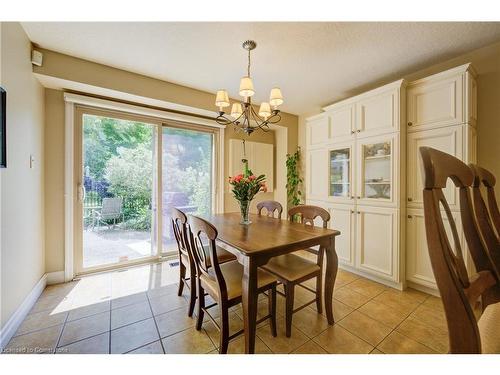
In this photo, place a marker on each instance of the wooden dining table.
(264, 238)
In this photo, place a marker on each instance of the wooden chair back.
(483, 217)
(307, 214)
(179, 221)
(458, 292)
(199, 228)
(488, 180)
(271, 207)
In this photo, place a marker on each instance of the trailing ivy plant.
(293, 179)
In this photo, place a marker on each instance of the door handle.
(81, 193)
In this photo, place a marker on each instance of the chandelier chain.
(248, 69)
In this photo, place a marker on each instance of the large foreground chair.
(459, 293)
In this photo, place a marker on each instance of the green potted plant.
(293, 180)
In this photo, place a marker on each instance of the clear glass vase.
(244, 209)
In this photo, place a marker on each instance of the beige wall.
(22, 190)
(486, 61)
(54, 180)
(85, 72)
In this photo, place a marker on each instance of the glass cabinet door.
(376, 167)
(340, 172)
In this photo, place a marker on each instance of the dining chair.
(271, 207)
(292, 270)
(458, 292)
(222, 281)
(483, 217)
(489, 180)
(186, 261)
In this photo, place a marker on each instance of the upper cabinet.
(342, 122)
(443, 99)
(318, 130)
(378, 112)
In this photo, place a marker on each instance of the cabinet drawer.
(436, 103)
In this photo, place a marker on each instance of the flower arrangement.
(245, 186)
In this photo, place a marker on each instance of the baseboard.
(366, 275)
(422, 288)
(55, 277)
(19, 315)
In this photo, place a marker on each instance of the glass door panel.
(187, 177)
(377, 162)
(118, 170)
(340, 172)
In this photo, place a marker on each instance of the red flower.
(251, 178)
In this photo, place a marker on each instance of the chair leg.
(289, 292)
(192, 292)
(319, 293)
(224, 329)
(272, 309)
(201, 305)
(182, 275)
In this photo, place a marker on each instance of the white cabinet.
(377, 170)
(448, 139)
(343, 219)
(377, 237)
(418, 264)
(260, 158)
(443, 99)
(442, 114)
(318, 130)
(341, 159)
(317, 174)
(342, 122)
(377, 112)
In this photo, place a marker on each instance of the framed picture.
(3, 127)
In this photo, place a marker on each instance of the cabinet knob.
(352, 196)
(410, 217)
(358, 197)
(359, 212)
(410, 123)
(353, 131)
(359, 131)
(352, 211)
(410, 199)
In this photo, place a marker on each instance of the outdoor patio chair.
(111, 210)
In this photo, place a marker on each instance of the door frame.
(155, 115)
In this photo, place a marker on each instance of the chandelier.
(243, 115)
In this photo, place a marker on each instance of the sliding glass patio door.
(188, 181)
(122, 161)
(116, 170)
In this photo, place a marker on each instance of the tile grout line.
(397, 326)
(156, 324)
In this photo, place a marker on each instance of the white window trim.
(74, 99)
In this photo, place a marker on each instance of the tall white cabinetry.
(356, 155)
(442, 113)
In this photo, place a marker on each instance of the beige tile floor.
(138, 311)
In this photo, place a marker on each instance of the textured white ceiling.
(314, 63)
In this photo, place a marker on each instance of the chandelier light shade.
(265, 110)
(276, 98)
(246, 87)
(236, 110)
(243, 115)
(222, 99)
